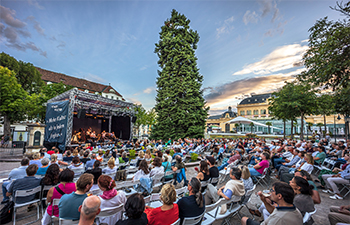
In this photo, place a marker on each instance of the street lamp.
(335, 129)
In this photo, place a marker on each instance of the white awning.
(243, 120)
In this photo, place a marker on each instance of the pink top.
(264, 164)
(68, 188)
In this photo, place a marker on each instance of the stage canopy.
(243, 120)
(94, 106)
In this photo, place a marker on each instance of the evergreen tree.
(180, 105)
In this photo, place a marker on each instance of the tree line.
(324, 88)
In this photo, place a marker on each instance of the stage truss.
(94, 103)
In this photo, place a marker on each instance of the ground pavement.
(320, 218)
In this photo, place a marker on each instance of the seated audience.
(285, 213)
(194, 204)
(110, 198)
(54, 160)
(339, 215)
(302, 199)
(332, 180)
(203, 174)
(158, 169)
(76, 164)
(247, 180)
(320, 156)
(336, 170)
(85, 157)
(168, 213)
(25, 183)
(66, 186)
(68, 158)
(90, 163)
(213, 170)
(258, 169)
(45, 165)
(232, 159)
(134, 210)
(16, 173)
(69, 203)
(307, 165)
(140, 157)
(111, 168)
(89, 210)
(234, 187)
(36, 159)
(96, 171)
(143, 175)
(167, 167)
(179, 165)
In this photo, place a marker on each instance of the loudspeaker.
(134, 119)
(81, 113)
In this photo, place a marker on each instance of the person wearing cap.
(232, 159)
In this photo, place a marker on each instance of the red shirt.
(50, 152)
(157, 216)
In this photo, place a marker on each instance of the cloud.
(36, 25)
(12, 29)
(7, 15)
(36, 4)
(95, 78)
(250, 17)
(149, 90)
(282, 58)
(133, 100)
(227, 92)
(226, 27)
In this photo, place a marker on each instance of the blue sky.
(244, 47)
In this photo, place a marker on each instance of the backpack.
(6, 213)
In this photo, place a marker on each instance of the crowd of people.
(289, 199)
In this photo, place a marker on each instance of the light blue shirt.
(17, 173)
(90, 163)
(346, 173)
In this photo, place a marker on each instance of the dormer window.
(62, 80)
(85, 85)
(87, 91)
(112, 90)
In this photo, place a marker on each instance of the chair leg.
(14, 216)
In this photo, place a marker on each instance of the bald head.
(90, 207)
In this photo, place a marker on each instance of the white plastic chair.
(192, 220)
(209, 219)
(68, 222)
(26, 193)
(177, 222)
(43, 198)
(110, 212)
(54, 203)
(262, 178)
(308, 215)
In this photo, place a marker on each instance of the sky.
(245, 47)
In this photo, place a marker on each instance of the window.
(86, 90)
(85, 85)
(256, 112)
(242, 113)
(37, 136)
(112, 90)
(111, 97)
(96, 92)
(62, 80)
(249, 112)
(263, 111)
(256, 99)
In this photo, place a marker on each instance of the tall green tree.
(325, 107)
(268, 126)
(328, 58)
(180, 105)
(27, 75)
(14, 99)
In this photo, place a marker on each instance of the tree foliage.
(291, 101)
(14, 99)
(180, 105)
(27, 75)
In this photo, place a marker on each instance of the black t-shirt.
(84, 160)
(140, 221)
(214, 172)
(188, 207)
(67, 158)
(97, 172)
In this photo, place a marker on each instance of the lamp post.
(335, 129)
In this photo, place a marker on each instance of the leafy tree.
(291, 101)
(27, 75)
(328, 58)
(14, 99)
(180, 105)
(141, 117)
(325, 107)
(268, 126)
(38, 107)
(251, 127)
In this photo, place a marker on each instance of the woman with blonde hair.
(247, 180)
(140, 157)
(168, 213)
(54, 160)
(36, 160)
(75, 152)
(111, 168)
(148, 155)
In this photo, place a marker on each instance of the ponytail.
(196, 189)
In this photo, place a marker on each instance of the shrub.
(194, 157)
(132, 154)
(172, 152)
